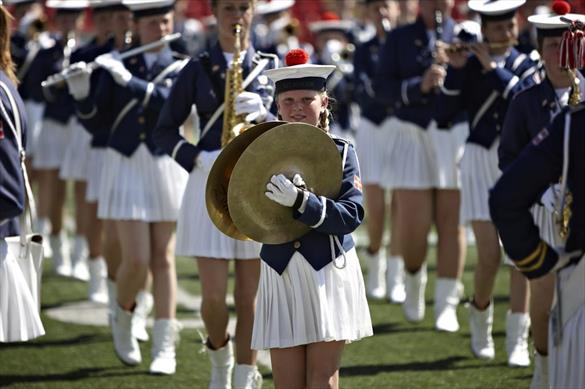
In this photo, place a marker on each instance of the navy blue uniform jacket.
(201, 83)
(329, 219)
(526, 178)
(130, 113)
(12, 195)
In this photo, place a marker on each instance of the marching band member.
(140, 188)
(482, 85)
(373, 144)
(202, 83)
(19, 317)
(55, 130)
(424, 173)
(275, 30)
(530, 111)
(311, 297)
(558, 150)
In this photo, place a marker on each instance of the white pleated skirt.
(76, 161)
(34, 117)
(304, 306)
(51, 145)
(373, 146)
(566, 361)
(197, 236)
(448, 145)
(94, 174)
(479, 173)
(142, 187)
(19, 311)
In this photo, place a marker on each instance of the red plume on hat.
(561, 7)
(296, 57)
(572, 53)
(329, 16)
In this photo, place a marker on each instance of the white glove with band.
(286, 192)
(250, 104)
(78, 80)
(113, 64)
(550, 197)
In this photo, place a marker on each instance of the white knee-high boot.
(222, 364)
(165, 335)
(247, 377)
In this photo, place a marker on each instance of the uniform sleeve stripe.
(526, 261)
(404, 92)
(510, 85)
(177, 147)
(323, 212)
(538, 264)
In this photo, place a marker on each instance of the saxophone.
(233, 124)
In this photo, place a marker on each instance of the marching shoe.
(375, 285)
(165, 335)
(79, 255)
(517, 326)
(222, 364)
(97, 289)
(480, 327)
(44, 229)
(540, 374)
(395, 280)
(144, 304)
(247, 377)
(446, 301)
(414, 304)
(125, 344)
(61, 259)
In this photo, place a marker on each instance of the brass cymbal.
(219, 177)
(288, 149)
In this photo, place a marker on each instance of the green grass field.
(399, 355)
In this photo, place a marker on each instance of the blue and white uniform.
(312, 289)
(19, 315)
(202, 84)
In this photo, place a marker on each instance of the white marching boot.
(144, 304)
(97, 289)
(517, 326)
(165, 335)
(125, 344)
(222, 364)
(540, 374)
(61, 259)
(480, 327)
(446, 301)
(79, 254)
(247, 377)
(375, 285)
(44, 228)
(414, 304)
(395, 291)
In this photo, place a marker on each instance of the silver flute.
(60, 77)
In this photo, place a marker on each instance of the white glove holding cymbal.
(78, 80)
(113, 64)
(286, 192)
(250, 104)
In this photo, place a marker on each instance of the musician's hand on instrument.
(550, 198)
(251, 105)
(433, 78)
(440, 56)
(78, 80)
(482, 52)
(299, 182)
(282, 191)
(205, 159)
(115, 66)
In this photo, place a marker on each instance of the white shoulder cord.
(333, 238)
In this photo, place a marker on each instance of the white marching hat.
(299, 74)
(149, 7)
(15, 2)
(268, 7)
(68, 5)
(553, 20)
(495, 9)
(103, 4)
(330, 22)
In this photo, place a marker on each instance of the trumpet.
(465, 46)
(59, 78)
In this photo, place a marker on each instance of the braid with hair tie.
(324, 120)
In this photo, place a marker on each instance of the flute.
(60, 77)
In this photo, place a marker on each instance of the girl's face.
(231, 12)
(153, 28)
(301, 106)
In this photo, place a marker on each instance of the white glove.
(282, 190)
(250, 104)
(77, 78)
(550, 198)
(113, 64)
(564, 257)
(205, 159)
